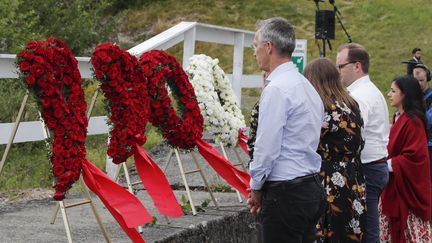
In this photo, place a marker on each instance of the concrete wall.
(241, 227)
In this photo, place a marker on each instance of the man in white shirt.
(285, 186)
(353, 63)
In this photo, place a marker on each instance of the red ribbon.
(123, 205)
(242, 141)
(236, 178)
(156, 184)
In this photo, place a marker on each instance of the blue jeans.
(377, 176)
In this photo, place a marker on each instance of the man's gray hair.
(279, 32)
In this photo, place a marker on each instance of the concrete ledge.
(236, 227)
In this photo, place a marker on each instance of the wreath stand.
(128, 183)
(60, 204)
(239, 163)
(183, 174)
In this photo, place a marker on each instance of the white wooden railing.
(186, 32)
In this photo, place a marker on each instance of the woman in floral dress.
(340, 146)
(254, 123)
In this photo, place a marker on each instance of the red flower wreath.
(51, 73)
(126, 93)
(162, 69)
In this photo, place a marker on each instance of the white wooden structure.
(186, 32)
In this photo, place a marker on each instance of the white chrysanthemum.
(216, 99)
(338, 179)
(358, 207)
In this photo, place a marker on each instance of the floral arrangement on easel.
(42, 65)
(122, 83)
(183, 129)
(51, 72)
(163, 69)
(126, 90)
(218, 103)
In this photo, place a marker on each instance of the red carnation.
(25, 66)
(39, 59)
(30, 80)
(58, 170)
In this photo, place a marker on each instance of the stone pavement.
(30, 221)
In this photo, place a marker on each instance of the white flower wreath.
(216, 99)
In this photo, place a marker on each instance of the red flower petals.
(125, 88)
(51, 73)
(162, 69)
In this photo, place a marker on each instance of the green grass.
(389, 29)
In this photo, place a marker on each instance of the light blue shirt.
(290, 117)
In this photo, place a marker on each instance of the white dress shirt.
(289, 124)
(375, 117)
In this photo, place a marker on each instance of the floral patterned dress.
(253, 130)
(340, 146)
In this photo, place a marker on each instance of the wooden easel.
(240, 163)
(128, 182)
(183, 174)
(60, 204)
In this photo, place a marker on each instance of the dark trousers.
(290, 211)
(377, 176)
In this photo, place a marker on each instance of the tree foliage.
(82, 24)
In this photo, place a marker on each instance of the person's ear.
(358, 66)
(269, 47)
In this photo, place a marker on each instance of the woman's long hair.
(325, 78)
(412, 103)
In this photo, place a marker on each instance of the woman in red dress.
(406, 201)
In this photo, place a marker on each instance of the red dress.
(406, 200)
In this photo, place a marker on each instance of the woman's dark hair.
(412, 103)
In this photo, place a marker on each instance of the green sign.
(299, 55)
(299, 62)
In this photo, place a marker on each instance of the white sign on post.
(299, 54)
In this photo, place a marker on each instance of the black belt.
(302, 179)
(383, 160)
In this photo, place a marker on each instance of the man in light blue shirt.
(285, 186)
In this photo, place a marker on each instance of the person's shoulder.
(411, 122)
